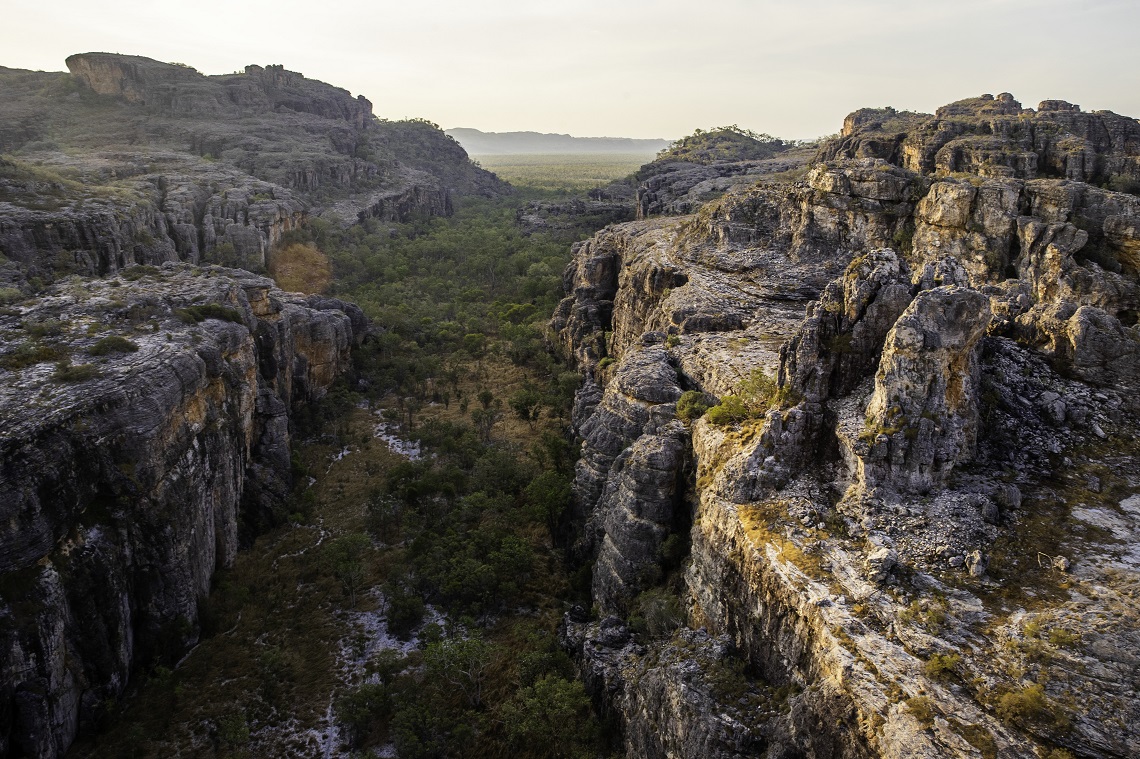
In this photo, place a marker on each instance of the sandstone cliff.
(144, 425)
(924, 536)
(127, 159)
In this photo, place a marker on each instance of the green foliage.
(922, 708)
(551, 719)
(606, 362)
(195, 314)
(1059, 636)
(360, 708)
(549, 496)
(1026, 705)
(462, 663)
(752, 400)
(65, 371)
(45, 328)
(28, 354)
(692, 405)
(233, 729)
(346, 558)
(112, 344)
(941, 666)
(656, 613)
(9, 295)
(903, 238)
(563, 174)
(138, 272)
(527, 404)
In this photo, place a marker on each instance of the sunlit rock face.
(918, 536)
(129, 475)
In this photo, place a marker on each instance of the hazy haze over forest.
(636, 68)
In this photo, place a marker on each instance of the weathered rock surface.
(927, 531)
(996, 137)
(127, 477)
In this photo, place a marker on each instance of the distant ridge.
(477, 142)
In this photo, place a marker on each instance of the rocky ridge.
(956, 366)
(145, 431)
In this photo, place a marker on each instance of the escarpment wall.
(871, 520)
(122, 492)
(222, 217)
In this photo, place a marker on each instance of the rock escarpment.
(922, 528)
(145, 429)
(127, 159)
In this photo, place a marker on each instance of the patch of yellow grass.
(300, 268)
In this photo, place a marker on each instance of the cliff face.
(917, 530)
(129, 470)
(192, 213)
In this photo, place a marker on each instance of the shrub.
(66, 372)
(112, 344)
(752, 400)
(941, 666)
(138, 272)
(692, 405)
(605, 362)
(922, 708)
(1059, 636)
(46, 328)
(30, 353)
(657, 613)
(1028, 704)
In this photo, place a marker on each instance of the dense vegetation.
(408, 595)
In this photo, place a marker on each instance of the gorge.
(858, 470)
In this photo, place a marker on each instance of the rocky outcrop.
(951, 361)
(195, 214)
(996, 137)
(145, 430)
(669, 698)
(178, 90)
(924, 410)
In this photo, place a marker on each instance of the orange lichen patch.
(300, 268)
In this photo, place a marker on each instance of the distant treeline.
(506, 143)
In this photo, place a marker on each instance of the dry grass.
(300, 268)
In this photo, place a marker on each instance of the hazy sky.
(634, 68)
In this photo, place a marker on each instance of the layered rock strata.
(926, 531)
(145, 426)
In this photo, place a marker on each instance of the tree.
(551, 719)
(549, 496)
(461, 662)
(346, 558)
(527, 404)
(485, 420)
